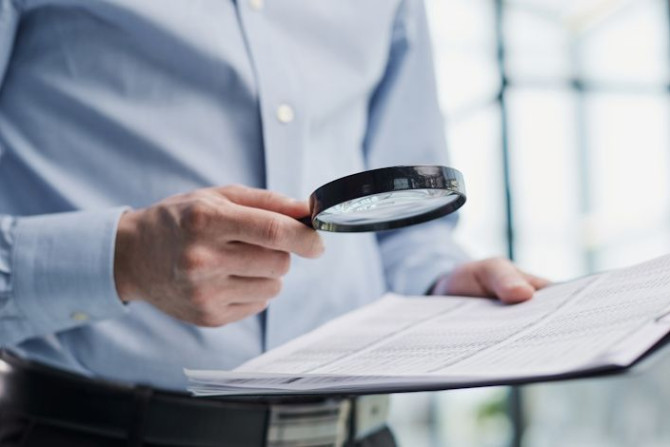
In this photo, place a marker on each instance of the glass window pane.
(538, 45)
(629, 140)
(628, 43)
(546, 181)
(466, 79)
(628, 165)
(463, 36)
(462, 22)
(474, 145)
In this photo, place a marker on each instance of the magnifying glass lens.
(387, 206)
(386, 198)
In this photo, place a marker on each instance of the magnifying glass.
(386, 198)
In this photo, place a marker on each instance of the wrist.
(126, 237)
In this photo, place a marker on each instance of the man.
(122, 256)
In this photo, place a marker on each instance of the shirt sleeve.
(406, 128)
(9, 23)
(56, 271)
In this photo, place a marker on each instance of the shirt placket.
(282, 118)
(282, 114)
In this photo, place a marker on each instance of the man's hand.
(495, 278)
(213, 256)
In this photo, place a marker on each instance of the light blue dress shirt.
(109, 104)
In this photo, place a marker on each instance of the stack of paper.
(601, 322)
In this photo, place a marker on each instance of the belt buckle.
(305, 425)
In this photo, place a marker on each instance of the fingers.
(229, 290)
(536, 281)
(275, 231)
(495, 278)
(232, 313)
(248, 290)
(254, 216)
(255, 261)
(264, 199)
(504, 280)
(212, 256)
(240, 311)
(242, 297)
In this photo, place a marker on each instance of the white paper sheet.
(604, 320)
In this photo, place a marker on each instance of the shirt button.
(79, 316)
(256, 5)
(285, 113)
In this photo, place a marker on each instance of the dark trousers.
(17, 430)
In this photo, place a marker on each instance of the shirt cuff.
(7, 224)
(63, 269)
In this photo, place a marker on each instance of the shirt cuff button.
(79, 316)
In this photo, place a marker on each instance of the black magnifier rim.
(384, 180)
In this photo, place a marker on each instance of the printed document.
(601, 322)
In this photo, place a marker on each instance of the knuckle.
(233, 188)
(197, 216)
(273, 231)
(164, 211)
(191, 261)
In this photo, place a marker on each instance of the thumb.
(264, 199)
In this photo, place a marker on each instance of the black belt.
(65, 399)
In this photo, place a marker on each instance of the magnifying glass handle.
(307, 220)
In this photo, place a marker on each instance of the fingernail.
(517, 284)
(517, 291)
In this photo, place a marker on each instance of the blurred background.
(557, 113)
